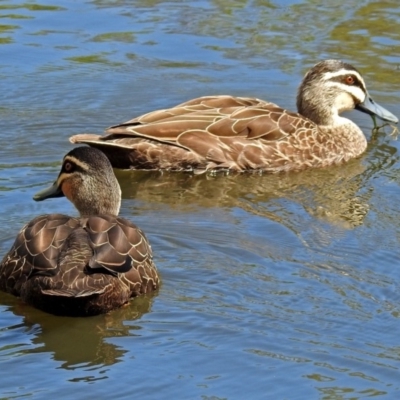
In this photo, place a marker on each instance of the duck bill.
(372, 108)
(48, 193)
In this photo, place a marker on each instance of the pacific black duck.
(86, 265)
(240, 133)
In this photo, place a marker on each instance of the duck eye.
(68, 167)
(349, 80)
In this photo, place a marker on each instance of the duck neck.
(94, 208)
(91, 200)
(321, 103)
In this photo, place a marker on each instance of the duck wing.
(121, 249)
(207, 132)
(165, 126)
(35, 251)
(64, 256)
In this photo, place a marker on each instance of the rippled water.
(276, 287)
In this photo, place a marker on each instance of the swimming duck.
(83, 265)
(241, 133)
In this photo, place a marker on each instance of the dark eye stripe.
(73, 167)
(342, 79)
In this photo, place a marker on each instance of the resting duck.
(240, 133)
(80, 266)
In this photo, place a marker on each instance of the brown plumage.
(83, 265)
(239, 133)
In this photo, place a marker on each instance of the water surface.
(282, 286)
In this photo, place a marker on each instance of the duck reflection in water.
(79, 342)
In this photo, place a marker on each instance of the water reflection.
(337, 194)
(277, 33)
(78, 342)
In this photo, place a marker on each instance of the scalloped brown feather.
(224, 132)
(79, 266)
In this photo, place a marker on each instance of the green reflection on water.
(31, 7)
(15, 16)
(171, 64)
(5, 28)
(93, 59)
(261, 32)
(6, 40)
(360, 39)
(127, 37)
